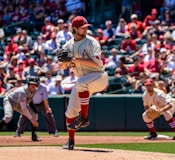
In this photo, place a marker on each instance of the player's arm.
(165, 108)
(26, 112)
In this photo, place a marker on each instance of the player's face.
(149, 88)
(81, 32)
(33, 87)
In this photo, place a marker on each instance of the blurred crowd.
(131, 51)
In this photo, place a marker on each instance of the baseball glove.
(63, 56)
(153, 112)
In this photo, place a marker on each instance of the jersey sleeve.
(45, 93)
(94, 51)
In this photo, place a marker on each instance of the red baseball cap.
(80, 21)
(148, 81)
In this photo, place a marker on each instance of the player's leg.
(8, 114)
(168, 115)
(150, 124)
(34, 129)
(72, 113)
(49, 120)
(85, 87)
(21, 125)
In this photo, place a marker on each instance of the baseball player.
(165, 105)
(40, 101)
(18, 99)
(87, 65)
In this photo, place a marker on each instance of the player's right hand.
(34, 123)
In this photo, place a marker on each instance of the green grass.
(149, 147)
(81, 133)
(163, 147)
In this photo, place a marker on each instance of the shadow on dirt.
(92, 150)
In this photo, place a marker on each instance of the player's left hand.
(49, 110)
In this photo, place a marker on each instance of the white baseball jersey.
(86, 48)
(159, 99)
(92, 79)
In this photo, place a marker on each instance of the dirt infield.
(28, 150)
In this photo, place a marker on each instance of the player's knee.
(80, 86)
(145, 118)
(7, 119)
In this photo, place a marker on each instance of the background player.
(40, 102)
(18, 99)
(165, 104)
(87, 65)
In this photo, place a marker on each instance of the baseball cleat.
(151, 136)
(36, 139)
(17, 135)
(69, 144)
(80, 122)
(173, 138)
(55, 134)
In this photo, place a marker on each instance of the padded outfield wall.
(106, 113)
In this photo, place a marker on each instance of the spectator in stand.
(50, 65)
(166, 18)
(11, 77)
(68, 82)
(150, 19)
(101, 38)
(49, 77)
(39, 13)
(38, 46)
(122, 69)
(168, 5)
(139, 24)
(169, 39)
(109, 31)
(60, 24)
(24, 15)
(41, 60)
(162, 44)
(32, 70)
(52, 44)
(121, 28)
(163, 55)
(27, 39)
(47, 23)
(134, 32)
(18, 37)
(55, 87)
(113, 59)
(144, 48)
(150, 56)
(20, 54)
(154, 39)
(19, 69)
(128, 44)
(27, 59)
(155, 66)
(13, 61)
(64, 35)
(16, 16)
(2, 87)
(10, 48)
(136, 68)
(2, 21)
(104, 58)
(157, 28)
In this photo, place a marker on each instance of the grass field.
(165, 147)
